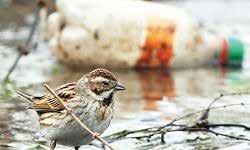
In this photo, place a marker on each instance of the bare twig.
(95, 135)
(226, 135)
(229, 125)
(148, 133)
(24, 49)
(187, 129)
(205, 112)
(211, 131)
(163, 129)
(196, 112)
(203, 118)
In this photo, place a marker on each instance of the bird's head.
(101, 84)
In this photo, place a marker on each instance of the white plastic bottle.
(125, 34)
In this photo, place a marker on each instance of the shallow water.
(153, 97)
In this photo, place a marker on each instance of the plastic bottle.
(125, 34)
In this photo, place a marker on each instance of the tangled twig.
(187, 129)
(200, 111)
(203, 119)
(172, 127)
(95, 135)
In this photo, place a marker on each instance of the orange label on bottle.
(158, 47)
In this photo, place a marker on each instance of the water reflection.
(148, 87)
(143, 100)
(154, 85)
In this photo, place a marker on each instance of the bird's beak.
(119, 87)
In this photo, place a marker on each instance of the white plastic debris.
(127, 34)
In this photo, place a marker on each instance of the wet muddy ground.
(153, 97)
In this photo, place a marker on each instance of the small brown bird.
(90, 99)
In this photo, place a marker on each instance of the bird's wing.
(48, 102)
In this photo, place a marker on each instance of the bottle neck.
(224, 50)
(230, 52)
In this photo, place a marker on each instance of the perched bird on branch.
(90, 99)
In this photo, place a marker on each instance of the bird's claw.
(95, 135)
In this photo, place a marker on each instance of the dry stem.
(24, 49)
(161, 130)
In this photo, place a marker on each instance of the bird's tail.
(28, 97)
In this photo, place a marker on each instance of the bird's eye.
(105, 83)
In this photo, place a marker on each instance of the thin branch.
(216, 99)
(214, 132)
(159, 129)
(225, 94)
(229, 125)
(24, 49)
(188, 129)
(95, 135)
(226, 135)
(203, 118)
(196, 112)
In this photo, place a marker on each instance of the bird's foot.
(77, 147)
(95, 135)
(52, 145)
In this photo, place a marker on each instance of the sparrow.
(90, 99)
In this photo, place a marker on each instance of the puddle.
(153, 97)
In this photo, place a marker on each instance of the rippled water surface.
(153, 97)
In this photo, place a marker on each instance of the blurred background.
(153, 96)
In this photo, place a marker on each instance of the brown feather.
(102, 113)
(102, 73)
(48, 102)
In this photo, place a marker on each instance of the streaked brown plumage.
(48, 102)
(91, 98)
